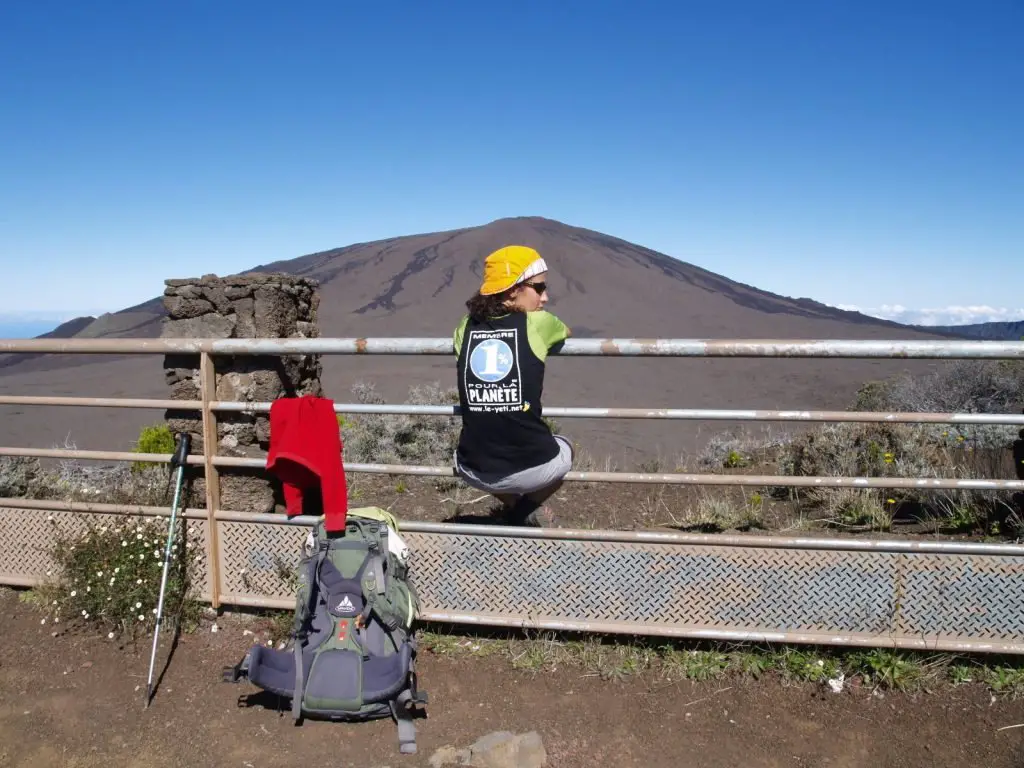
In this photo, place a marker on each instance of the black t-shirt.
(501, 383)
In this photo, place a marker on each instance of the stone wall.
(242, 307)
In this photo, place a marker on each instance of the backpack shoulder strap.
(401, 710)
(307, 607)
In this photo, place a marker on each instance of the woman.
(505, 447)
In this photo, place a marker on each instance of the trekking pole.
(179, 460)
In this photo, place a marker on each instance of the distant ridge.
(999, 331)
(68, 329)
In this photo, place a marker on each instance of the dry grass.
(619, 657)
(714, 511)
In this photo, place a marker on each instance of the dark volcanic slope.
(601, 283)
(996, 331)
(601, 286)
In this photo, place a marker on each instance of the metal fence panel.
(795, 591)
(27, 538)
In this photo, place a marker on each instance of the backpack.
(352, 655)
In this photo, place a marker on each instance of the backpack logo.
(344, 605)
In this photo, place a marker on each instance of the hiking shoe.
(541, 518)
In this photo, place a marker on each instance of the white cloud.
(953, 315)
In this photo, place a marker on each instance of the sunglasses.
(540, 288)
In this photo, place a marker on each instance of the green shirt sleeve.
(457, 336)
(545, 331)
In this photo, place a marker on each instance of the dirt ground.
(77, 700)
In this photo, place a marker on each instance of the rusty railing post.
(1018, 464)
(208, 390)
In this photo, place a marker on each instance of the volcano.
(416, 285)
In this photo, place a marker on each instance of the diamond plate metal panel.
(964, 596)
(691, 589)
(726, 591)
(253, 556)
(26, 534)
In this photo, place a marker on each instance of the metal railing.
(208, 349)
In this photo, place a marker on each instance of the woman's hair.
(482, 308)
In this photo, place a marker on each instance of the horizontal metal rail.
(646, 478)
(712, 414)
(835, 543)
(101, 402)
(102, 508)
(84, 455)
(829, 348)
(695, 414)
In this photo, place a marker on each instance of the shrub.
(72, 480)
(156, 438)
(893, 450)
(962, 386)
(735, 450)
(18, 476)
(108, 575)
(400, 438)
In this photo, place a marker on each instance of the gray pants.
(527, 480)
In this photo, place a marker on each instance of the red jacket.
(305, 452)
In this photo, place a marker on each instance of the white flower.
(141, 617)
(138, 605)
(85, 613)
(138, 536)
(43, 621)
(138, 581)
(99, 574)
(117, 570)
(154, 610)
(54, 602)
(110, 636)
(109, 598)
(111, 582)
(74, 592)
(88, 589)
(142, 556)
(124, 543)
(56, 619)
(156, 553)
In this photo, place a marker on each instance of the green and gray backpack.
(352, 654)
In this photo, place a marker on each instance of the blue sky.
(864, 154)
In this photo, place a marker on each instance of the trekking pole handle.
(180, 456)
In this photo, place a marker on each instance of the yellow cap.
(509, 266)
